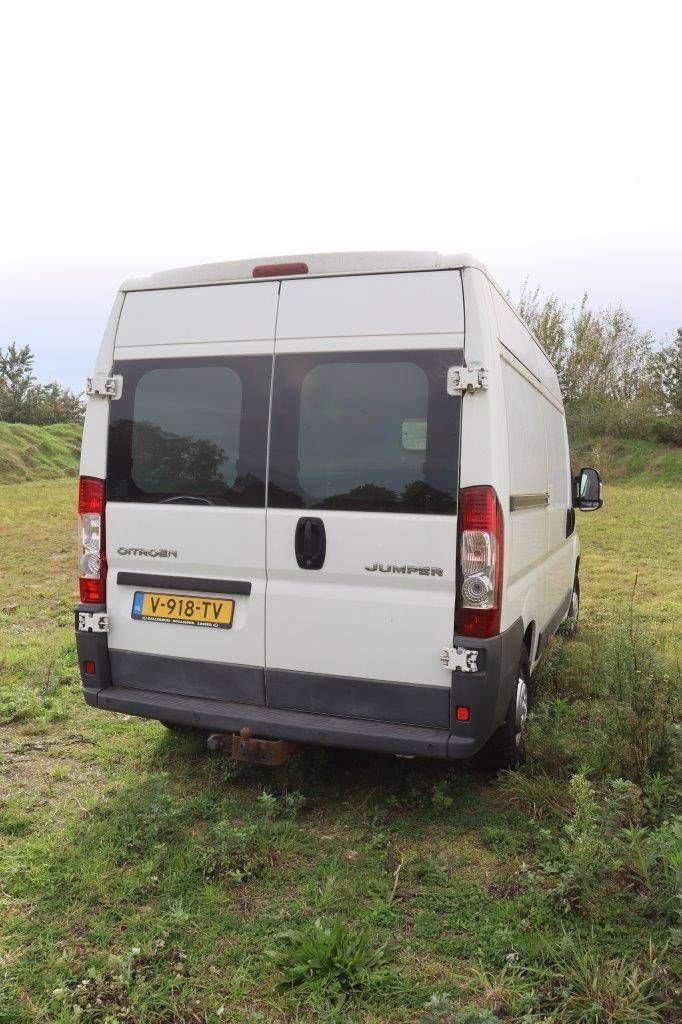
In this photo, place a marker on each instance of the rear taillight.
(480, 550)
(92, 564)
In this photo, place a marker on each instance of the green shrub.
(605, 704)
(576, 984)
(329, 962)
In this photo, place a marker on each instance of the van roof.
(319, 265)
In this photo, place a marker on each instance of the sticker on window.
(414, 435)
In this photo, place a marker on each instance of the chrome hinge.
(103, 386)
(93, 622)
(466, 378)
(459, 658)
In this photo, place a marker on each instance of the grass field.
(146, 882)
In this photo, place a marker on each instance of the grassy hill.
(621, 460)
(38, 453)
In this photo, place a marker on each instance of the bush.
(578, 985)
(605, 704)
(328, 962)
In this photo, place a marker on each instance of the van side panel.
(526, 588)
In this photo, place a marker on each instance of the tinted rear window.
(368, 432)
(190, 429)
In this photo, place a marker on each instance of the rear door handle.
(310, 543)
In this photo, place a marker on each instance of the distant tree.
(547, 320)
(16, 381)
(598, 353)
(665, 373)
(24, 400)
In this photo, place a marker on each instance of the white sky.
(543, 137)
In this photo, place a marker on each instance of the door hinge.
(92, 622)
(466, 378)
(460, 659)
(103, 386)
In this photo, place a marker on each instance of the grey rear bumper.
(274, 723)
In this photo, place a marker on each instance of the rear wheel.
(506, 748)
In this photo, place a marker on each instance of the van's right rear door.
(364, 452)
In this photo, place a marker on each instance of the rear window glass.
(191, 430)
(179, 443)
(365, 431)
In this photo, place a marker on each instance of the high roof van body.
(328, 499)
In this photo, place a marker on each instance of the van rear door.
(185, 515)
(362, 498)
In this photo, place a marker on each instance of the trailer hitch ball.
(217, 741)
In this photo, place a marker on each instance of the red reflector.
(93, 591)
(279, 269)
(90, 495)
(463, 713)
(89, 667)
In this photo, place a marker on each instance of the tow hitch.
(246, 747)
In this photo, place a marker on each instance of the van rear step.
(243, 746)
(216, 716)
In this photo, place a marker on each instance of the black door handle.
(310, 543)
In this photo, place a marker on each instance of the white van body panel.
(215, 543)
(371, 306)
(346, 621)
(233, 312)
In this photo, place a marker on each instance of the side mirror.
(587, 490)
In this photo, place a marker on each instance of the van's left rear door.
(185, 515)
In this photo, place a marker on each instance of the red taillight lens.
(463, 713)
(480, 552)
(92, 558)
(279, 269)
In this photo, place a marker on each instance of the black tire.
(506, 748)
(569, 627)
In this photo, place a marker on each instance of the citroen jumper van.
(326, 499)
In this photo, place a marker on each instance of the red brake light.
(92, 554)
(279, 269)
(480, 558)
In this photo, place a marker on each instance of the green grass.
(38, 453)
(143, 881)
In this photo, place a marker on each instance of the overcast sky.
(542, 137)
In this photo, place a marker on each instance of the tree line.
(24, 400)
(615, 379)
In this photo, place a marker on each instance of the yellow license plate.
(183, 609)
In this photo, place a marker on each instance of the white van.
(326, 499)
